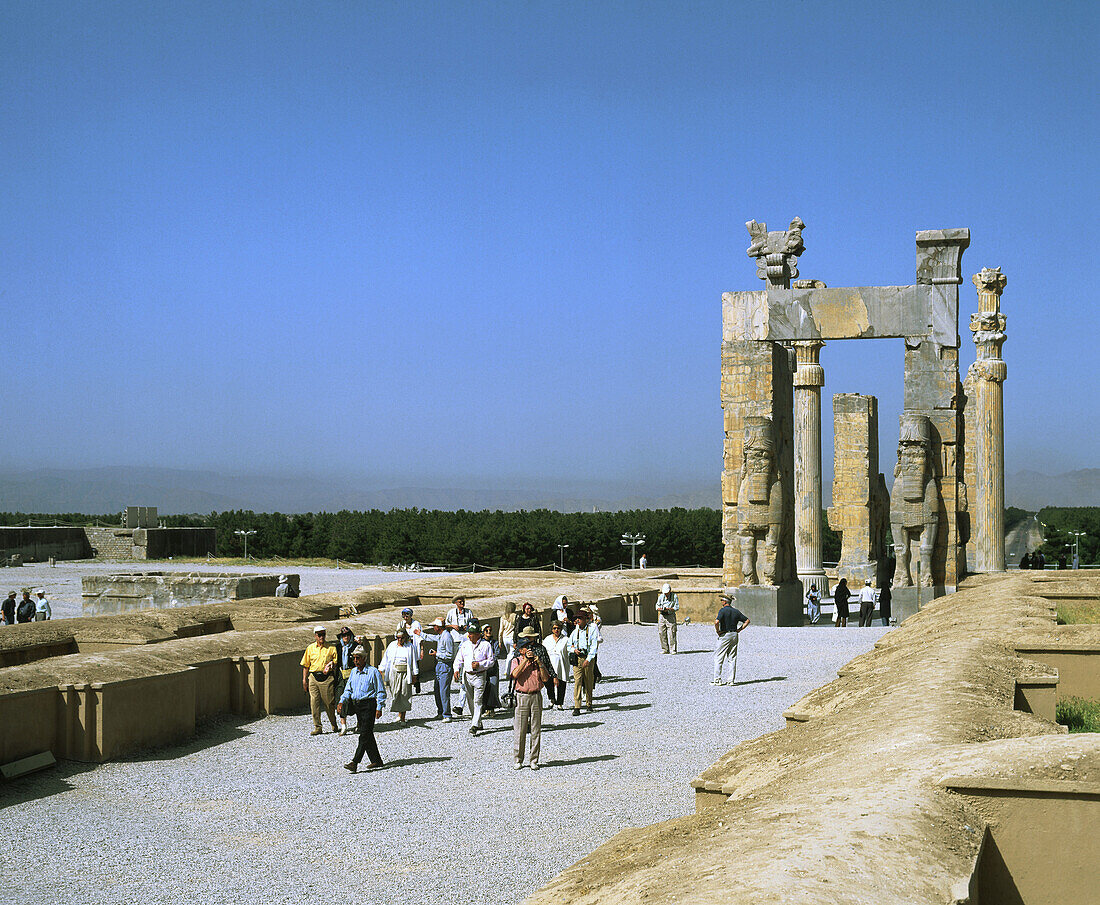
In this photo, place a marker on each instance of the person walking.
(456, 620)
(728, 625)
(866, 604)
(472, 663)
(813, 604)
(668, 604)
(365, 696)
(318, 679)
(884, 601)
(583, 646)
(7, 609)
(416, 635)
(345, 648)
(491, 701)
(444, 663)
(556, 644)
(530, 676)
(399, 668)
(841, 595)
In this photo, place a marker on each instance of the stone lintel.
(861, 312)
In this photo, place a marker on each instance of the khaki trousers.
(322, 693)
(528, 719)
(584, 679)
(666, 629)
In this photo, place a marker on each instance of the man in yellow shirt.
(319, 678)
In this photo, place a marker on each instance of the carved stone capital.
(990, 280)
(776, 252)
(939, 255)
(808, 372)
(991, 369)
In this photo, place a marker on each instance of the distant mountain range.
(1032, 491)
(173, 491)
(108, 490)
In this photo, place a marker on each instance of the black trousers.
(365, 710)
(556, 691)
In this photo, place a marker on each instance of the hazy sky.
(434, 241)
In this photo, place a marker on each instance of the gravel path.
(261, 812)
(62, 582)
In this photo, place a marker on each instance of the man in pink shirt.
(531, 676)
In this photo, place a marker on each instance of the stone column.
(809, 378)
(986, 376)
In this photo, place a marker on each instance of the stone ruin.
(950, 453)
(125, 591)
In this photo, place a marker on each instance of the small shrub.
(1079, 715)
(1072, 613)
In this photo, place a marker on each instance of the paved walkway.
(261, 812)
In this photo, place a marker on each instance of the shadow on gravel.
(702, 650)
(413, 761)
(604, 679)
(558, 727)
(621, 694)
(41, 785)
(614, 705)
(758, 681)
(594, 759)
(208, 734)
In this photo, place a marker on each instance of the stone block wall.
(158, 590)
(39, 544)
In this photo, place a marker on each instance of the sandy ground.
(62, 582)
(259, 811)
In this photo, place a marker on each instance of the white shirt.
(470, 653)
(867, 594)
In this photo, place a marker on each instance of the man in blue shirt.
(729, 624)
(583, 645)
(365, 695)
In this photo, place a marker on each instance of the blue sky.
(486, 242)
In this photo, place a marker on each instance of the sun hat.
(528, 632)
(319, 630)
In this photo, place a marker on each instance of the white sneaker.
(534, 766)
(519, 766)
(716, 682)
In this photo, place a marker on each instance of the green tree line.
(523, 539)
(1059, 523)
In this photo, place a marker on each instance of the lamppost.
(1077, 535)
(246, 535)
(563, 548)
(634, 541)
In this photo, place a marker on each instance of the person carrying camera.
(530, 675)
(583, 645)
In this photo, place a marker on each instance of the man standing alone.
(531, 675)
(667, 606)
(319, 679)
(729, 624)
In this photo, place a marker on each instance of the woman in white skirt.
(555, 644)
(400, 668)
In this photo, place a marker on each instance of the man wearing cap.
(730, 622)
(584, 643)
(866, 603)
(472, 663)
(318, 678)
(364, 695)
(444, 664)
(42, 610)
(667, 606)
(8, 609)
(530, 675)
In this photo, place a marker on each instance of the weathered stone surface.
(776, 252)
(914, 503)
(984, 378)
(809, 378)
(756, 390)
(860, 502)
(157, 590)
